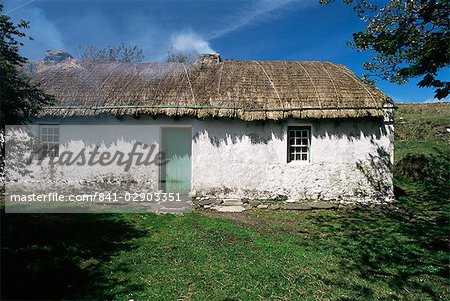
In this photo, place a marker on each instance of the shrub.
(423, 168)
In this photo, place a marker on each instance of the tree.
(174, 56)
(409, 39)
(122, 53)
(19, 99)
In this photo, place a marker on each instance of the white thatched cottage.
(253, 129)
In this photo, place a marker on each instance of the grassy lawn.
(254, 255)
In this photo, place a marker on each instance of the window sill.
(294, 163)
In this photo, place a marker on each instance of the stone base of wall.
(237, 205)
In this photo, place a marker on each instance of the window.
(299, 141)
(49, 140)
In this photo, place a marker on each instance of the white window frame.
(49, 140)
(298, 143)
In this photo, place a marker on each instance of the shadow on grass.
(57, 256)
(407, 249)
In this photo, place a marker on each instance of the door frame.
(188, 126)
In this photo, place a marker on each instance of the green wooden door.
(176, 143)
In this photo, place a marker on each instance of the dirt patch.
(241, 218)
(266, 225)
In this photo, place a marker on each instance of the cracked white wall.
(351, 159)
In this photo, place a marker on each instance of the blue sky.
(238, 29)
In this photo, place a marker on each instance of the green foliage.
(408, 39)
(422, 168)
(9, 45)
(19, 99)
(122, 53)
(422, 155)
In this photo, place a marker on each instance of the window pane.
(298, 143)
(49, 139)
(54, 150)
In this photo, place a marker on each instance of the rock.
(274, 207)
(204, 202)
(262, 206)
(253, 203)
(295, 206)
(229, 208)
(54, 56)
(322, 205)
(290, 201)
(348, 206)
(232, 202)
(176, 211)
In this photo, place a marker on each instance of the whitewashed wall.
(351, 159)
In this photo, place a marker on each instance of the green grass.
(255, 255)
(421, 128)
(314, 255)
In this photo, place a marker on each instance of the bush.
(423, 168)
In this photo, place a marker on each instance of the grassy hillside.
(422, 128)
(422, 158)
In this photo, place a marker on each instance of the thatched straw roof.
(250, 90)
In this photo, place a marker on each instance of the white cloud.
(190, 42)
(19, 7)
(253, 13)
(257, 11)
(145, 30)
